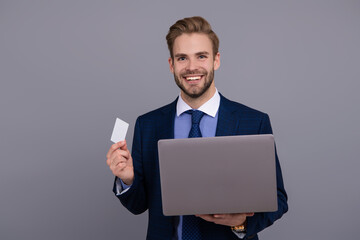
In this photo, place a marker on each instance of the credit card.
(120, 130)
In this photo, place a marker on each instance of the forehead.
(192, 43)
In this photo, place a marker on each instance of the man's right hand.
(120, 162)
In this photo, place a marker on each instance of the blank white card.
(120, 130)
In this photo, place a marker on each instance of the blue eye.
(202, 56)
(181, 58)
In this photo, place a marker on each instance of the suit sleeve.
(260, 221)
(135, 199)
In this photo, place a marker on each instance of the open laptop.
(233, 174)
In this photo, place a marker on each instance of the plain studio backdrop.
(69, 68)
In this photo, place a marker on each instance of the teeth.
(193, 78)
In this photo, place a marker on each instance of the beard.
(208, 79)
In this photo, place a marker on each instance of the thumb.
(123, 146)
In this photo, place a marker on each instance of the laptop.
(232, 174)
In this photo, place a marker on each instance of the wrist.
(127, 181)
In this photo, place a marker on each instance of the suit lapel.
(166, 124)
(227, 123)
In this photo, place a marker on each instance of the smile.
(193, 78)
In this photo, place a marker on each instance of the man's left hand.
(233, 219)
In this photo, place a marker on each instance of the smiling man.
(194, 57)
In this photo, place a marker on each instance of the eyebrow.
(202, 53)
(180, 55)
(197, 54)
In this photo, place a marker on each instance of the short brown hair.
(191, 25)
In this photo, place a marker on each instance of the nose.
(191, 65)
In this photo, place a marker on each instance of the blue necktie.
(190, 227)
(196, 116)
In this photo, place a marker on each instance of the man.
(193, 58)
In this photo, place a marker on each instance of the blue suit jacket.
(145, 194)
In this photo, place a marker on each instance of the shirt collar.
(210, 107)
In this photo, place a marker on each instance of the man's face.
(194, 64)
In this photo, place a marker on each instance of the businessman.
(199, 111)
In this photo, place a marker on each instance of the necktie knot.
(196, 116)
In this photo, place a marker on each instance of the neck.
(195, 103)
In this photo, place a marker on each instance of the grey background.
(68, 68)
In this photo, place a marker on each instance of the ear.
(217, 61)
(171, 64)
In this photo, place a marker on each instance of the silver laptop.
(233, 174)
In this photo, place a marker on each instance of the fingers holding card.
(119, 155)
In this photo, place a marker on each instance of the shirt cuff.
(239, 235)
(121, 187)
